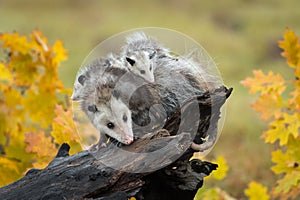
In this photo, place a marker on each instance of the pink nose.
(128, 140)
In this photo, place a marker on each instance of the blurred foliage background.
(240, 35)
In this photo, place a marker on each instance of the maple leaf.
(11, 169)
(5, 74)
(38, 104)
(222, 168)
(287, 182)
(40, 144)
(269, 105)
(15, 43)
(294, 101)
(284, 162)
(29, 91)
(256, 191)
(287, 161)
(281, 129)
(291, 48)
(265, 84)
(25, 71)
(64, 129)
(60, 54)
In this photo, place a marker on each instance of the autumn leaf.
(5, 74)
(269, 105)
(291, 47)
(256, 191)
(212, 194)
(294, 101)
(222, 168)
(11, 168)
(40, 144)
(15, 42)
(60, 54)
(64, 129)
(287, 161)
(287, 182)
(265, 84)
(29, 90)
(281, 129)
(37, 105)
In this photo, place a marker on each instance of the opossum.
(141, 63)
(177, 80)
(140, 54)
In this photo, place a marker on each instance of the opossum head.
(110, 116)
(141, 63)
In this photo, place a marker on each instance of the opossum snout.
(128, 140)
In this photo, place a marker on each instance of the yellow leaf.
(291, 47)
(15, 43)
(295, 96)
(256, 191)
(281, 129)
(222, 170)
(60, 54)
(24, 70)
(5, 74)
(288, 161)
(265, 83)
(9, 171)
(64, 129)
(283, 161)
(212, 194)
(40, 107)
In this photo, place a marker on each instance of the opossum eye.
(116, 94)
(142, 71)
(150, 68)
(110, 125)
(124, 118)
(92, 108)
(152, 55)
(81, 79)
(131, 61)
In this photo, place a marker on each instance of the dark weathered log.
(156, 166)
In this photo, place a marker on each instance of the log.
(156, 166)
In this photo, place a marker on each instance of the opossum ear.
(81, 79)
(131, 61)
(92, 108)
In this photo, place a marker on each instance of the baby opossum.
(140, 55)
(141, 63)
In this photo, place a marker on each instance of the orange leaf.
(269, 106)
(291, 47)
(264, 83)
(40, 144)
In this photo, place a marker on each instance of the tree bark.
(160, 169)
